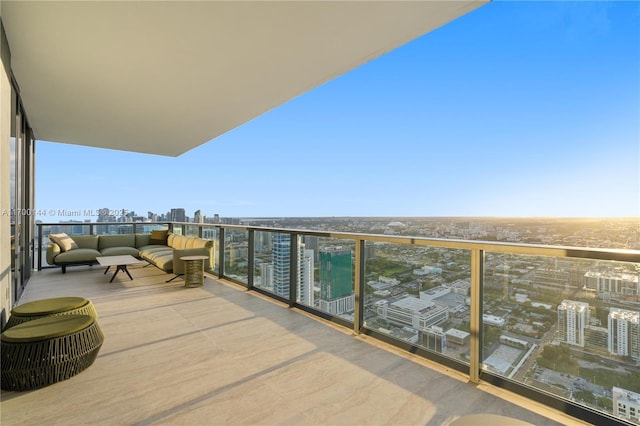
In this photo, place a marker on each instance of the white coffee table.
(120, 262)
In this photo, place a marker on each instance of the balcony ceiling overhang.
(166, 77)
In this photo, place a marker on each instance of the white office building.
(573, 319)
(305, 276)
(612, 283)
(624, 333)
(420, 314)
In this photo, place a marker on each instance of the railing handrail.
(609, 254)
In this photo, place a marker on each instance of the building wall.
(5, 226)
(17, 148)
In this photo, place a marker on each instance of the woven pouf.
(44, 351)
(54, 306)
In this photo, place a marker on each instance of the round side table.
(193, 270)
(47, 350)
(54, 306)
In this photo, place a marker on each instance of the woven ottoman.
(44, 351)
(46, 307)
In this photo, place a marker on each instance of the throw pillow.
(65, 242)
(159, 237)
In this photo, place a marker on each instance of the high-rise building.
(266, 276)
(336, 280)
(573, 319)
(105, 216)
(198, 217)
(262, 242)
(281, 269)
(624, 333)
(433, 338)
(178, 215)
(305, 273)
(311, 243)
(281, 258)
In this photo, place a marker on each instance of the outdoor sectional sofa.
(163, 253)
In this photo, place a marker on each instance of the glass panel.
(66, 227)
(569, 327)
(334, 275)
(13, 200)
(211, 233)
(419, 295)
(191, 230)
(236, 250)
(146, 228)
(124, 229)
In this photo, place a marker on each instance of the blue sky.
(516, 109)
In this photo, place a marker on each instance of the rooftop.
(223, 355)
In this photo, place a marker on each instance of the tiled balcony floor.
(220, 355)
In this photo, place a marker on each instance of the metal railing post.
(39, 226)
(221, 253)
(250, 258)
(358, 316)
(475, 317)
(293, 269)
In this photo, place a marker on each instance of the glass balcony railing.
(557, 324)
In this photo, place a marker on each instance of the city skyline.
(518, 109)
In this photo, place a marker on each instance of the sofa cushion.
(152, 255)
(77, 255)
(142, 240)
(202, 243)
(164, 262)
(159, 237)
(120, 240)
(86, 241)
(151, 248)
(65, 242)
(179, 241)
(120, 251)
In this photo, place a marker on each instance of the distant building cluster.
(275, 276)
(612, 284)
(425, 314)
(621, 337)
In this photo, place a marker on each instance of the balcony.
(223, 355)
(481, 319)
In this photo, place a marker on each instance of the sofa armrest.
(178, 265)
(52, 251)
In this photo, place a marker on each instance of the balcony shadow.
(223, 355)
